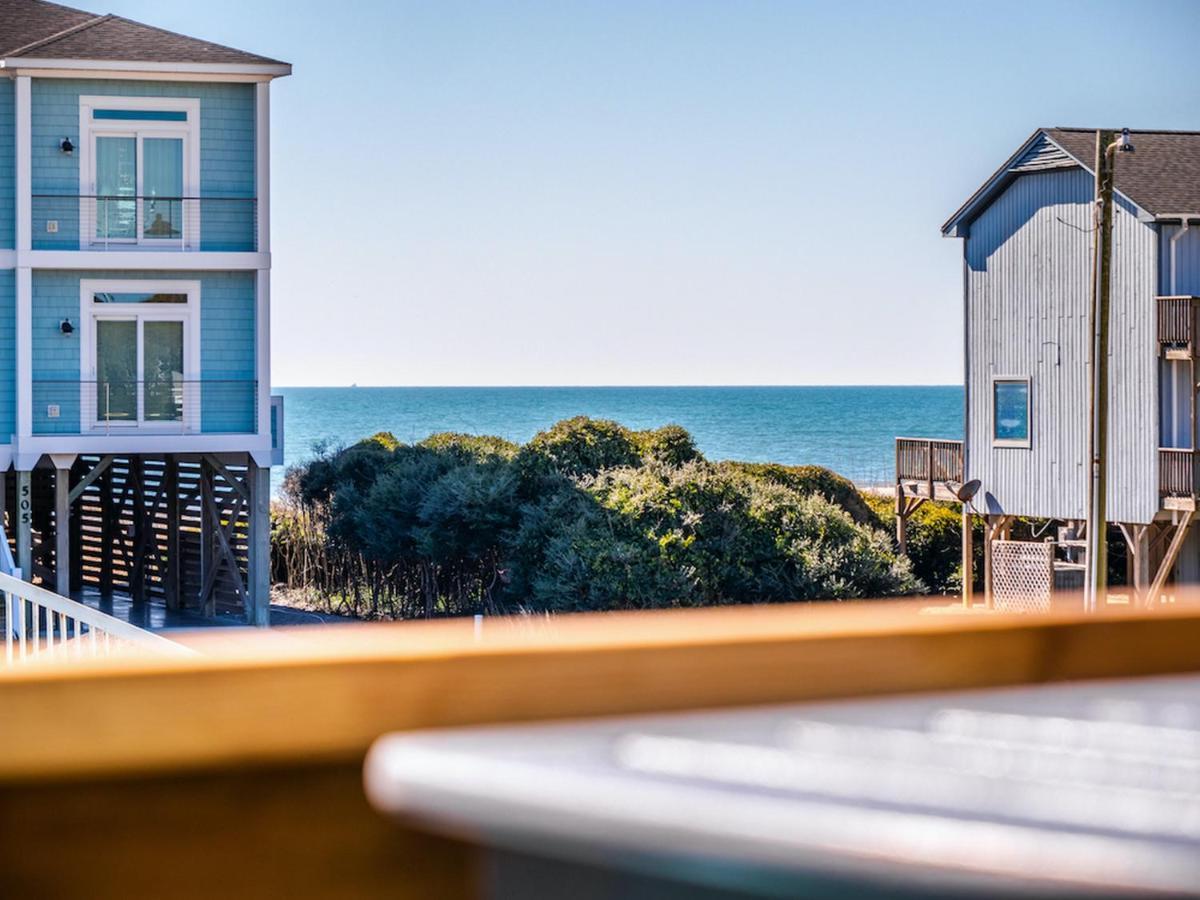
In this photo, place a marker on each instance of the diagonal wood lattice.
(171, 528)
(1022, 575)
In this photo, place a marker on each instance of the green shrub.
(476, 446)
(587, 516)
(584, 446)
(670, 445)
(815, 480)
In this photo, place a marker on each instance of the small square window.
(1010, 412)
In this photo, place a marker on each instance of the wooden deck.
(929, 468)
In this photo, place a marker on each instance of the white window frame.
(189, 131)
(1001, 442)
(91, 312)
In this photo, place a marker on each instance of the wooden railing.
(928, 460)
(1176, 321)
(1176, 472)
(113, 783)
(41, 625)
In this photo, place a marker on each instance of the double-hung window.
(140, 341)
(139, 171)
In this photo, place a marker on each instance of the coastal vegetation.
(588, 515)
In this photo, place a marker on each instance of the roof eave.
(959, 224)
(263, 69)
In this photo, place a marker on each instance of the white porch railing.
(40, 625)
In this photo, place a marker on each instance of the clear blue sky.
(657, 192)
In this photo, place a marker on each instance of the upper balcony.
(929, 469)
(144, 223)
(1177, 326)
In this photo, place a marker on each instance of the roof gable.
(1161, 177)
(35, 29)
(1042, 154)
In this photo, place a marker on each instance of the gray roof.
(1161, 177)
(39, 30)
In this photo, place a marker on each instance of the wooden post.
(206, 539)
(901, 521)
(929, 472)
(1168, 563)
(171, 585)
(107, 518)
(258, 594)
(137, 569)
(25, 524)
(987, 561)
(62, 529)
(1097, 535)
(1141, 562)
(968, 557)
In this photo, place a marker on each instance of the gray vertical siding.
(1028, 290)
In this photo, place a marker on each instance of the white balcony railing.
(158, 406)
(125, 222)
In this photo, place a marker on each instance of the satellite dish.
(966, 491)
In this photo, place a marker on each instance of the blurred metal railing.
(127, 222)
(166, 405)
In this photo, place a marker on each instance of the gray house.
(1027, 237)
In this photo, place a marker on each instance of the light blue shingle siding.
(8, 354)
(8, 165)
(227, 138)
(227, 346)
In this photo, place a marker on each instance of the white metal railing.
(40, 625)
(166, 405)
(133, 222)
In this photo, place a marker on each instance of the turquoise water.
(849, 429)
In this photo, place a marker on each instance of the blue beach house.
(137, 426)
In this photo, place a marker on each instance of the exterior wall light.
(66, 327)
(66, 146)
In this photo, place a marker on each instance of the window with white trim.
(140, 344)
(139, 171)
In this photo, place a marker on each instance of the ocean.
(848, 429)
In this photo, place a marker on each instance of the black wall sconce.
(66, 327)
(66, 146)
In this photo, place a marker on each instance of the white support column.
(24, 298)
(262, 349)
(62, 522)
(258, 576)
(262, 317)
(24, 158)
(25, 523)
(262, 163)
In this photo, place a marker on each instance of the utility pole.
(1097, 526)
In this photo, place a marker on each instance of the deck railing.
(1176, 472)
(40, 625)
(127, 222)
(929, 460)
(1176, 321)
